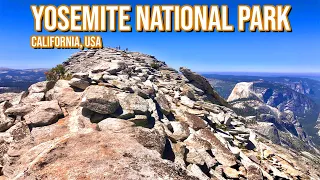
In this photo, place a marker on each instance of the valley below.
(296, 97)
(17, 80)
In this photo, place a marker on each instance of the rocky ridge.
(126, 115)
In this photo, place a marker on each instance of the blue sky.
(298, 51)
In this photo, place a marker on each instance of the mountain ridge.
(127, 115)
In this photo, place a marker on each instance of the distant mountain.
(16, 80)
(4, 69)
(289, 102)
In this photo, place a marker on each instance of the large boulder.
(115, 125)
(194, 157)
(36, 92)
(100, 99)
(231, 173)
(64, 94)
(34, 97)
(37, 114)
(196, 142)
(79, 83)
(187, 102)
(133, 102)
(203, 84)
(150, 138)
(44, 113)
(179, 151)
(83, 76)
(164, 104)
(19, 109)
(180, 130)
(254, 173)
(221, 153)
(197, 172)
(111, 68)
(5, 122)
(41, 87)
(193, 121)
(7, 96)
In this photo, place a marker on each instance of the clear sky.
(298, 51)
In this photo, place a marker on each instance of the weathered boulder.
(36, 92)
(5, 122)
(208, 159)
(33, 97)
(179, 150)
(133, 102)
(19, 131)
(11, 143)
(197, 142)
(221, 153)
(164, 104)
(17, 99)
(41, 87)
(108, 77)
(19, 110)
(114, 125)
(188, 92)
(83, 76)
(187, 101)
(100, 99)
(197, 172)
(64, 94)
(111, 68)
(150, 138)
(194, 157)
(95, 76)
(44, 113)
(203, 84)
(253, 173)
(193, 121)
(217, 118)
(268, 153)
(254, 159)
(115, 67)
(7, 96)
(126, 86)
(180, 130)
(79, 83)
(231, 173)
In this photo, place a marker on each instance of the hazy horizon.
(296, 51)
(206, 72)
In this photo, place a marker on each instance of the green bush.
(56, 73)
(155, 65)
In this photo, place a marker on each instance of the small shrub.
(57, 73)
(222, 127)
(155, 66)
